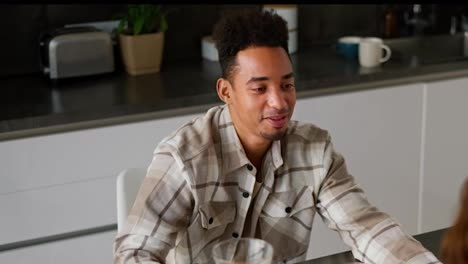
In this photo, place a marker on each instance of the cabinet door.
(66, 182)
(378, 132)
(96, 248)
(446, 151)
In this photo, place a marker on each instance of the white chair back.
(128, 184)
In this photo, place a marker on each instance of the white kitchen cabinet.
(445, 153)
(95, 248)
(379, 134)
(66, 182)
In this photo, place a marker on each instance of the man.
(245, 169)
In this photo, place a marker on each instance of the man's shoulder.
(195, 135)
(307, 132)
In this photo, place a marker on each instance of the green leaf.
(143, 19)
(122, 25)
(163, 25)
(138, 26)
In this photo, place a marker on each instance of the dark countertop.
(430, 240)
(31, 105)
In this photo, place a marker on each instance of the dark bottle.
(390, 23)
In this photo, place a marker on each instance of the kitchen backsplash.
(21, 24)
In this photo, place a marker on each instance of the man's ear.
(223, 87)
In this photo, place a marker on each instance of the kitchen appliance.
(76, 51)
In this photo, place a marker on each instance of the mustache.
(277, 112)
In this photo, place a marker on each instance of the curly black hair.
(244, 28)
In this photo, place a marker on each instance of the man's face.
(262, 93)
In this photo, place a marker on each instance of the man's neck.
(255, 150)
(254, 146)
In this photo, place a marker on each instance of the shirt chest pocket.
(215, 214)
(208, 226)
(286, 221)
(288, 203)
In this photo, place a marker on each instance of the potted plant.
(141, 35)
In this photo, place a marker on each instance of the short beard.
(273, 137)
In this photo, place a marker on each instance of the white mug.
(371, 52)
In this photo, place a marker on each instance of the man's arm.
(163, 208)
(373, 236)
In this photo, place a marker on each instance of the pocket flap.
(214, 214)
(283, 204)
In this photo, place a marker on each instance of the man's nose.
(278, 99)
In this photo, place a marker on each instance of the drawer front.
(42, 161)
(57, 209)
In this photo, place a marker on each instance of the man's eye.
(259, 89)
(288, 86)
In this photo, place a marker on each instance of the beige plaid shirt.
(198, 190)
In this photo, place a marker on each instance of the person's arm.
(373, 236)
(163, 208)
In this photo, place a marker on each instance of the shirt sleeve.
(372, 235)
(163, 208)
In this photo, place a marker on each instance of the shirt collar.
(233, 152)
(276, 156)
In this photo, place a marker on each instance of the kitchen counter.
(32, 105)
(430, 240)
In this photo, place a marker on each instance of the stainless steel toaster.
(76, 51)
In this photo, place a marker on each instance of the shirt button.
(235, 235)
(249, 167)
(288, 209)
(210, 221)
(245, 194)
